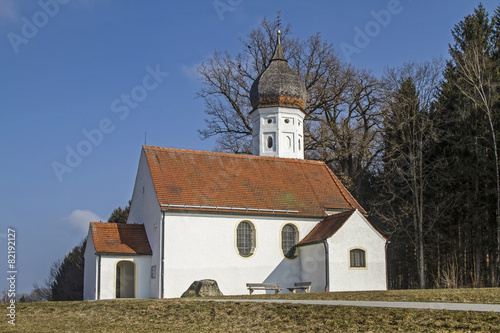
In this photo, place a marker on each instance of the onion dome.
(278, 85)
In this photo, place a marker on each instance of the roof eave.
(124, 254)
(312, 243)
(284, 105)
(240, 212)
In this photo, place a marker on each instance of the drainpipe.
(162, 256)
(99, 277)
(386, 266)
(327, 266)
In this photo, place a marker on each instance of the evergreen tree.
(68, 282)
(65, 281)
(409, 168)
(120, 215)
(468, 113)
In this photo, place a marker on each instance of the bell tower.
(278, 98)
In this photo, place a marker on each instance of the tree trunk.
(494, 137)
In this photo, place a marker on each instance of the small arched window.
(358, 258)
(289, 238)
(245, 238)
(269, 142)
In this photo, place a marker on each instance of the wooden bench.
(264, 286)
(305, 286)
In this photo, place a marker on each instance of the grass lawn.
(480, 295)
(179, 315)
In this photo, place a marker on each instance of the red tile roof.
(326, 228)
(198, 180)
(120, 238)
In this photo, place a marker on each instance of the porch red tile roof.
(211, 181)
(326, 228)
(119, 238)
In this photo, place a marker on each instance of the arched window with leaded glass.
(289, 238)
(245, 238)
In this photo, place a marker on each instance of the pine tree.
(68, 282)
(468, 112)
(408, 165)
(120, 215)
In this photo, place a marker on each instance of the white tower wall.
(278, 132)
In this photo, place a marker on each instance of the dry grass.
(187, 316)
(479, 295)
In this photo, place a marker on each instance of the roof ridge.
(347, 212)
(246, 156)
(116, 224)
(194, 178)
(123, 238)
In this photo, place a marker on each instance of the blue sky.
(90, 77)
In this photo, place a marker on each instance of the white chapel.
(270, 217)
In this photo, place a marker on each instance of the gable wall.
(145, 209)
(357, 233)
(202, 246)
(142, 275)
(90, 270)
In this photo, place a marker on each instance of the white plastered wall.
(145, 209)
(90, 268)
(285, 126)
(203, 246)
(357, 232)
(108, 275)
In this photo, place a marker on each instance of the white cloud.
(79, 219)
(191, 71)
(8, 10)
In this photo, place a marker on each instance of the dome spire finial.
(278, 21)
(278, 85)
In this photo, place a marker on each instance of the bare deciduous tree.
(342, 111)
(44, 292)
(408, 168)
